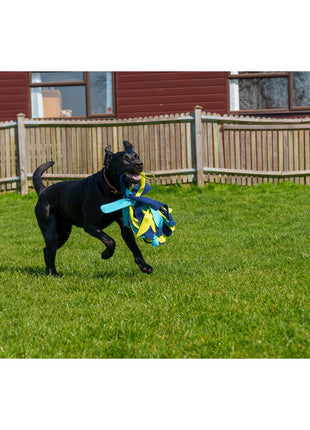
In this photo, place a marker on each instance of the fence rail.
(180, 148)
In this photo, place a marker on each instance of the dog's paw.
(147, 269)
(52, 273)
(143, 266)
(107, 253)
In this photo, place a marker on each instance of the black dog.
(64, 204)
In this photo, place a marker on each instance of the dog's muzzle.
(134, 178)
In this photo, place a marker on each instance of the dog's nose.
(139, 166)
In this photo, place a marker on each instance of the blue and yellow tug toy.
(147, 218)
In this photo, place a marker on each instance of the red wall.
(157, 93)
(137, 93)
(14, 97)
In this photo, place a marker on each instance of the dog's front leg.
(130, 241)
(96, 232)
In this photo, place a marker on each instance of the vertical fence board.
(146, 148)
(301, 150)
(290, 151)
(259, 162)
(275, 153)
(281, 155)
(232, 155)
(156, 147)
(269, 151)
(285, 151)
(2, 159)
(210, 146)
(253, 155)
(295, 153)
(226, 158)
(243, 154)
(189, 140)
(173, 151)
(13, 156)
(7, 156)
(162, 152)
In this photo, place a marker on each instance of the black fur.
(64, 204)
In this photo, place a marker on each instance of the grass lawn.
(231, 282)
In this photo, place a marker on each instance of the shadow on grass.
(40, 272)
(26, 270)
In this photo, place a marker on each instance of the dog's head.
(126, 162)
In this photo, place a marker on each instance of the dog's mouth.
(133, 177)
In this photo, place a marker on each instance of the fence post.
(21, 154)
(199, 146)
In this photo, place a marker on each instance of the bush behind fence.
(180, 148)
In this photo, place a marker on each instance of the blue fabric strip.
(115, 206)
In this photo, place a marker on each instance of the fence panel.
(252, 150)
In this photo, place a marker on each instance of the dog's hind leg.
(60, 237)
(47, 222)
(55, 231)
(50, 254)
(49, 257)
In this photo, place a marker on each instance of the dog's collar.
(113, 189)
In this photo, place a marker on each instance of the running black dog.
(64, 204)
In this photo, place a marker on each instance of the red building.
(136, 94)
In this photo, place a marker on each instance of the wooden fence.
(181, 148)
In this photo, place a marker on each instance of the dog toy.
(148, 218)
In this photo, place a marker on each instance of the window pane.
(55, 102)
(57, 77)
(261, 93)
(301, 85)
(101, 93)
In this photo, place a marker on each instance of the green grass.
(232, 281)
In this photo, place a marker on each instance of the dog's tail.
(37, 176)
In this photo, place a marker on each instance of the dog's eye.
(127, 158)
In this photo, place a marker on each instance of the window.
(269, 91)
(72, 94)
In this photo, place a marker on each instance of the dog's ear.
(108, 157)
(128, 147)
